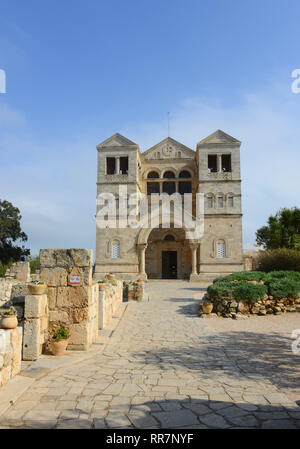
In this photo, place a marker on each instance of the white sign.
(74, 280)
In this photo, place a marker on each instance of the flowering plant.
(10, 312)
(59, 332)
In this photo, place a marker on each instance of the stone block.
(31, 343)
(54, 277)
(35, 306)
(59, 316)
(82, 257)
(52, 295)
(47, 258)
(7, 358)
(79, 334)
(80, 314)
(5, 374)
(72, 297)
(54, 257)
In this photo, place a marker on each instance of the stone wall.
(109, 301)
(10, 354)
(5, 291)
(36, 323)
(73, 304)
(19, 271)
(229, 308)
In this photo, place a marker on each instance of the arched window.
(169, 174)
(115, 249)
(210, 201)
(221, 249)
(230, 201)
(220, 200)
(184, 174)
(152, 175)
(169, 238)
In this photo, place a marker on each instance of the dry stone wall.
(10, 354)
(72, 298)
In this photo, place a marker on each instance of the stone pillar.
(194, 248)
(142, 252)
(72, 299)
(36, 322)
(219, 164)
(117, 165)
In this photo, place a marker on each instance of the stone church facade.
(169, 166)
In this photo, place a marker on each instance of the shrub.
(284, 287)
(251, 292)
(34, 265)
(5, 267)
(242, 276)
(221, 289)
(279, 259)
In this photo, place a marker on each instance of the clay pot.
(37, 289)
(110, 277)
(207, 308)
(9, 321)
(59, 347)
(101, 287)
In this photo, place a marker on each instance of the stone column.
(142, 251)
(219, 163)
(194, 248)
(117, 165)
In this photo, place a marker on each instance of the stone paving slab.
(162, 367)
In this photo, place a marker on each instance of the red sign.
(74, 280)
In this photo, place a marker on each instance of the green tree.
(282, 231)
(10, 234)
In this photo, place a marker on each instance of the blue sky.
(79, 71)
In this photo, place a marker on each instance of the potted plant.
(59, 338)
(101, 285)
(37, 288)
(207, 307)
(9, 319)
(110, 276)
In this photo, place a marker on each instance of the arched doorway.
(168, 255)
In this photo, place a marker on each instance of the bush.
(278, 259)
(34, 265)
(284, 287)
(242, 276)
(238, 286)
(3, 269)
(251, 292)
(221, 289)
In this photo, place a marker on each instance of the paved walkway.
(162, 368)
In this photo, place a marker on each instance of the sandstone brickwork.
(109, 302)
(74, 304)
(36, 323)
(10, 354)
